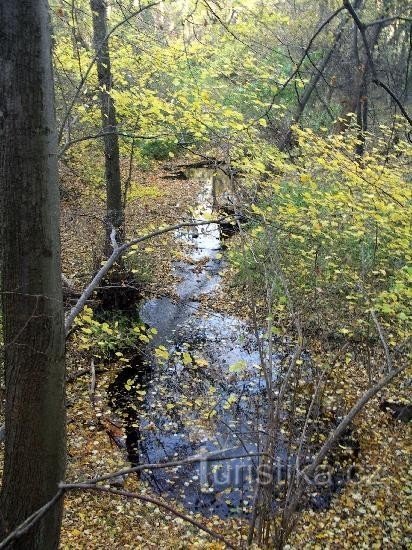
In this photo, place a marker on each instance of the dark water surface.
(208, 396)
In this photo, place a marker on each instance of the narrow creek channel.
(203, 393)
(194, 402)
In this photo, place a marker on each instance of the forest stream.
(189, 409)
(198, 387)
(206, 273)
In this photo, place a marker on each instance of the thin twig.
(383, 340)
(387, 20)
(92, 381)
(211, 457)
(30, 521)
(107, 133)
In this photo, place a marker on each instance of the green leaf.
(239, 366)
(162, 353)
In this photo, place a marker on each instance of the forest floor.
(371, 512)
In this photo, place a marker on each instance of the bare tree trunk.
(115, 213)
(35, 452)
(362, 99)
(309, 89)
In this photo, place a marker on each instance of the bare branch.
(383, 340)
(312, 85)
(362, 29)
(116, 254)
(355, 410)
(216, 456)
(302, 59)
(387, 20)
(394, 97)
(92, 381)
(106, 133)
(30, 521)
(307, 473)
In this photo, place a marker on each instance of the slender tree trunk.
(115, 214)
(311, 86)
(362, 115)
(35, 452)
(363, 103)
(356, 89)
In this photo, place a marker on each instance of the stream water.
(207, 397)
(203, 392)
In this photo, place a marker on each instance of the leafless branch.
(30, 521)
(305, 476)
(387, 20)
(107, 133)
(394, 97)
(382, 339)
(334, 437)
(375, 79)
(92, 381)
(216, 456)
(302, 59)
(118, 251)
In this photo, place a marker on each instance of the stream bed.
(204, 394)
(198, 388)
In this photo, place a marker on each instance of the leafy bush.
(332, 233)
(104, 339)
(158, 149)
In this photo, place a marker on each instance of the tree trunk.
(356, 87)
(115, 214)
(309, 89)
(35, 452)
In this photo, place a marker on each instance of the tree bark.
(114, 206)
(35, 452)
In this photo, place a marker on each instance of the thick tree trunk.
(35, 454)
(115, 214)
